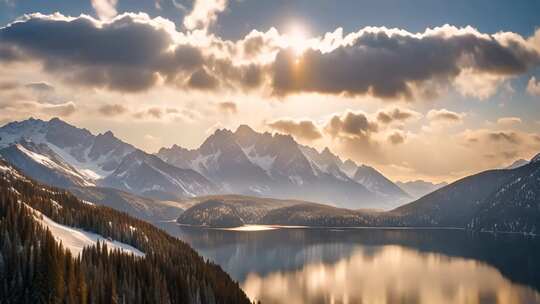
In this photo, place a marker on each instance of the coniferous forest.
(35, 268)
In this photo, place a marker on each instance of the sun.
(296, 38)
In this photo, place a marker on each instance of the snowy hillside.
(76, 239)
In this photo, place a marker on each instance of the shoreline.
(260, 227)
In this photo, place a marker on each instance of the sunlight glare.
(297, 39)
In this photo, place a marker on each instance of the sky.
(432, 90)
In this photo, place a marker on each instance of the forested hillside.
(35, 268)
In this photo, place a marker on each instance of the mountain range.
(241, 162)
(275, 165)
(192, 185)
(505, 200)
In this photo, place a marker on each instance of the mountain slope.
(93, 155)
(62, 155)
(459, 203)
(495, 200)
(419, 188)
(44, 165)
(169, 271)
(262, 164)
(143, 208)
(230, 210)
(518, 163)
(379, 184)
(147, 175)
(513, 207)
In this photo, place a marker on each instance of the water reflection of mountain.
(240, 253)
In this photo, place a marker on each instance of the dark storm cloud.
(391, 65)
(299, 129)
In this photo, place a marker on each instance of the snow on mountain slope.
(149, 176)
(378, 183)
(76, 239)
(269, 165)
(95, 156)
(43, 164)
(65, 156)
(265, 162)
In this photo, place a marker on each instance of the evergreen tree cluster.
(35, 268)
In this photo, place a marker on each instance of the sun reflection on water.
(393, 274)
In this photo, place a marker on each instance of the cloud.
(64, 110)
(444, 115)
(40, 86)
(228, 107)
(533, 86)
(105, 9)
(304, 129)
(396, 138)
(493, 139)
(204, 14)
(350, 124)
(24, 108)
(202, 80)
(155, 112)
(124, 54)
(510, 137)
(133, 53)
(396, 114)
(112, 109)
(394, 64)
(508, 121)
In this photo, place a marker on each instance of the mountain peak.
(536, 158)
(244, 130)
(222, 132)
(326, 152)
(518, 163)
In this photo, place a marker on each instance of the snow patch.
(265, 162)
(47, 162)
(75, 240)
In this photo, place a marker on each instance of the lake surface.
(373, 265)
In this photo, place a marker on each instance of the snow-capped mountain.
(275, 165)
(379, 184)
(384, 189)
(94, 156)
(419, 188)
(147, 175)
(57, 153)
(45, 165)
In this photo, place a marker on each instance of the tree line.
(35, 268)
